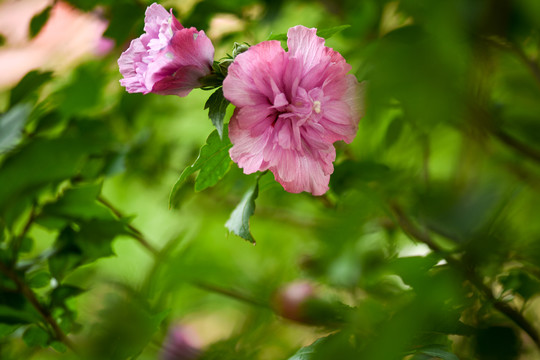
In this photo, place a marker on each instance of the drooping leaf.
(213, 163)
(11, 126)
(217, 108)
(238, 222)
(39, 20)
(28, 85)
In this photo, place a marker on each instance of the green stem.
(134, 232)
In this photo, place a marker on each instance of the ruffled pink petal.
(305, 173)
(192, 47)
(256, 74)
(154, 17)
(127, 63)
(304, 44)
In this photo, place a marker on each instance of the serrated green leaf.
(28, 85)
(213, 162)
(324, 33)
(11, 126)
(39, 20)
(36, 336)
(238, 222)
(39, 279)
(217, 108)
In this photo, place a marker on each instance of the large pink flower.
(167, 59)
(290, 108)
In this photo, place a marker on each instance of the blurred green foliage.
(427, 246)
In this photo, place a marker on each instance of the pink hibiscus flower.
(167, 59)
(290, 109)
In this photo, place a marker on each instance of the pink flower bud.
(290, 300)
(167, 59)
(181, 343)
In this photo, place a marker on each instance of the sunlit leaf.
(213, 162)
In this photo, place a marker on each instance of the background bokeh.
(427, 246)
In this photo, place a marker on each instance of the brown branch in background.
(414, 232)
(518, 146)
(134, 232)
(508, 46)
(24, 289)
(229, 293)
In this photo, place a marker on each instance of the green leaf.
(238, 222)
(307, 352)
(79, 202)
(438, 351)
(39, 20)
(38, 164)
(213, 162)
(28, 85)
(324, 33)
(217, 108)
(39, 279)
(6, 329)
(521, 283)
(58, 346)
(329, 32)
(15, 309)
(393, 131)
(36, 336)
(11, 126)
(63, 292)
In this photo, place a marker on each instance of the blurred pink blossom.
(68, 36)
(290, 109)
(290, 300)
(167, 59)
(182, 343)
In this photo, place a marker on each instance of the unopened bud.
(239, 48)
(181, 343)
(290, 300)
